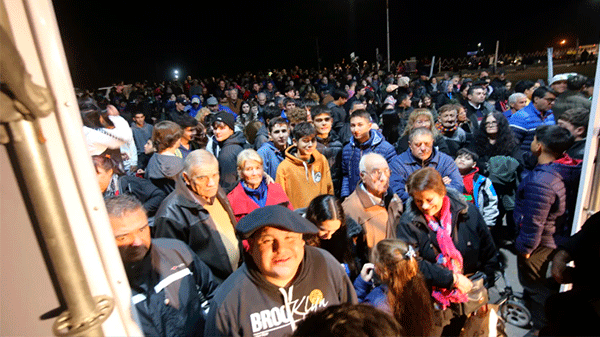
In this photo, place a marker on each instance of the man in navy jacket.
(420, 154)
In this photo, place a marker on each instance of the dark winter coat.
(470, 235)
(405, 164)
(170, 289)
(181, 217)
(149, 195)
(331, 148)
(540, 201)
(230, 148)
(570, 171)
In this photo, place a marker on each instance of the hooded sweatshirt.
(162, 171)
(303, 181)
(246, 304)
(230, 148)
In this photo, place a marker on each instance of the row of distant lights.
(176, 72)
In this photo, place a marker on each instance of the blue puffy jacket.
(352, 153)
(540, 200)
(524, 122)
(405, 164)
(271, 157)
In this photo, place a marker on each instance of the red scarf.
(450, 257)
(468, 182)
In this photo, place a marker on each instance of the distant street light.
(563, 42)
(176, 74)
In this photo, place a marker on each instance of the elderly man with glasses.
(372, 204)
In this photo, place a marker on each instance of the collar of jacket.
(374, 139)
(187, 198)
(367, 202)
(434, 158)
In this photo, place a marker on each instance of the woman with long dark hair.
(336, 234)
(501, 160)
(494, 138)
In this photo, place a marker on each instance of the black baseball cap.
(274, 216)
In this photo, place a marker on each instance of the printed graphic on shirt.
(316, 177)
(287, 315)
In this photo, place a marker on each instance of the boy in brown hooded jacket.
(304, 173)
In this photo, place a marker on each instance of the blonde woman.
(254, 189)
(420, 118)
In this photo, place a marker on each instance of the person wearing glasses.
(199, 214)
(372, 204)
(501, 160)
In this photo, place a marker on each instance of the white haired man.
(372, 204)
(199, 214)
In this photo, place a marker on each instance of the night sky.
(109, 41)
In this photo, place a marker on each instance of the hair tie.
(410, 253)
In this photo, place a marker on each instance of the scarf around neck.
(444, 129)
(450, 257)
(258, 195)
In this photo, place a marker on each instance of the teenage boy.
(188, 144)
(304, 174)
(364, 140)
(273, 151)
(540, 200)
(328, 143)
(477, 188)
(142, 132)
(230, 143)
(576, 121)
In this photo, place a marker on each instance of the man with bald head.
(198, 213)
(372, 204)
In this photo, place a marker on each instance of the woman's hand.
(367, 272)
(462, 283)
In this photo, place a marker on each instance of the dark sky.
(108, 41)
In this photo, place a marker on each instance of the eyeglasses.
(377, 174)
(322, 120)
(550, 100)
(492, 123)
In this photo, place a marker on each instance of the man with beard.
(170, 285)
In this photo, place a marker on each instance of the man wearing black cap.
(281, 281)
(230, 144)
(175, 114)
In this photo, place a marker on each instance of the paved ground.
(513, 280)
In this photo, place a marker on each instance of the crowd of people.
(234, 201)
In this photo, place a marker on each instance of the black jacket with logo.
(170, 289)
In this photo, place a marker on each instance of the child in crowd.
(364, 140)
(477, 188)
(164, 165)
(540, 200)
(304, 173)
